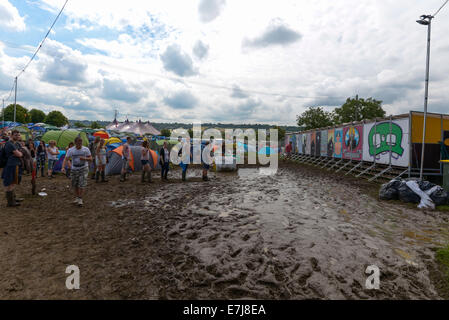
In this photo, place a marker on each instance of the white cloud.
(210, 9)
(10, 17)
(277, 34)
(370, 48)
(176, 61)
(201, 50)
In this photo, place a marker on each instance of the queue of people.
(18, 157)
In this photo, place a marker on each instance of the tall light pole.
(3, 114)
(15, 100)
(426, 20)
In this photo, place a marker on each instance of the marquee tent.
(139, 128)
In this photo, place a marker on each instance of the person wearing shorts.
(80, 156)
(100, 160)
(126, 157)
(52, 156)
(11, 172)
(145, 159)
(206, 159)
(164, 161)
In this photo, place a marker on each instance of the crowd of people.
(19, 157)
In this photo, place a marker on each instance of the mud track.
(301, 233)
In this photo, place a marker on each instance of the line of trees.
(54, 118)
(352, 110)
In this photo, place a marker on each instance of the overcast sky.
(239, 61)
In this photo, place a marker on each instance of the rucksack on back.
(3, 157)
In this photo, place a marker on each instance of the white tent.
(139, 128)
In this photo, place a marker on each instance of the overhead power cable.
(42, 42)
(211, 85)
(440, 8)
(10, 92)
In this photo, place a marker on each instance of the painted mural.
(304, 143)
(317, 143)
(338, 143)
(324, 143)
(293, 140)
(330, 143)
(308, 143)
(353, 142)
(313, 143)
(298, 143)
(382, 142)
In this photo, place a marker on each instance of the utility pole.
(15, 100)
(427, 21)
(3, 114)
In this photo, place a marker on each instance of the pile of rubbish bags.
(427, 194)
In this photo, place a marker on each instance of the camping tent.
(101, 134)
(64, 137)
(113, 140)
(114, 165)
(24, 132)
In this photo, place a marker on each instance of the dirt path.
(297, 234)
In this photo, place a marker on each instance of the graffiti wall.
(308, 142)
(304, 143)
(293, 140)
(313, 143)
(298, 143)
(382, 142)
(353, 142)
(324, 143)
(338, 142)
(317, 143)
(436, 126)
(330, 143)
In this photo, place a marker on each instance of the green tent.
(169, 142)
(25, 133)
(50, 127)
(64, 137)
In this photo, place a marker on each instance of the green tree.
(37, 116)
(22, 114)
(314, 118)
(281, 133)
(79, 125)
(166, 132)
(56, 118)
(358, 110)
(95, 125)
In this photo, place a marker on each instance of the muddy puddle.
(290, 234)
(294, 233)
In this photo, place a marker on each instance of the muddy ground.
(301, 233)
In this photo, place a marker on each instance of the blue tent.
(37, 128)
(112, 146)
(267, 151)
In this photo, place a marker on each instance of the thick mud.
(298, 233)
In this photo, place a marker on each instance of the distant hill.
(174, 125)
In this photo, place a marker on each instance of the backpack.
(3, 156)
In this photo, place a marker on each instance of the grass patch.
(442, 257)
(443, 208)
